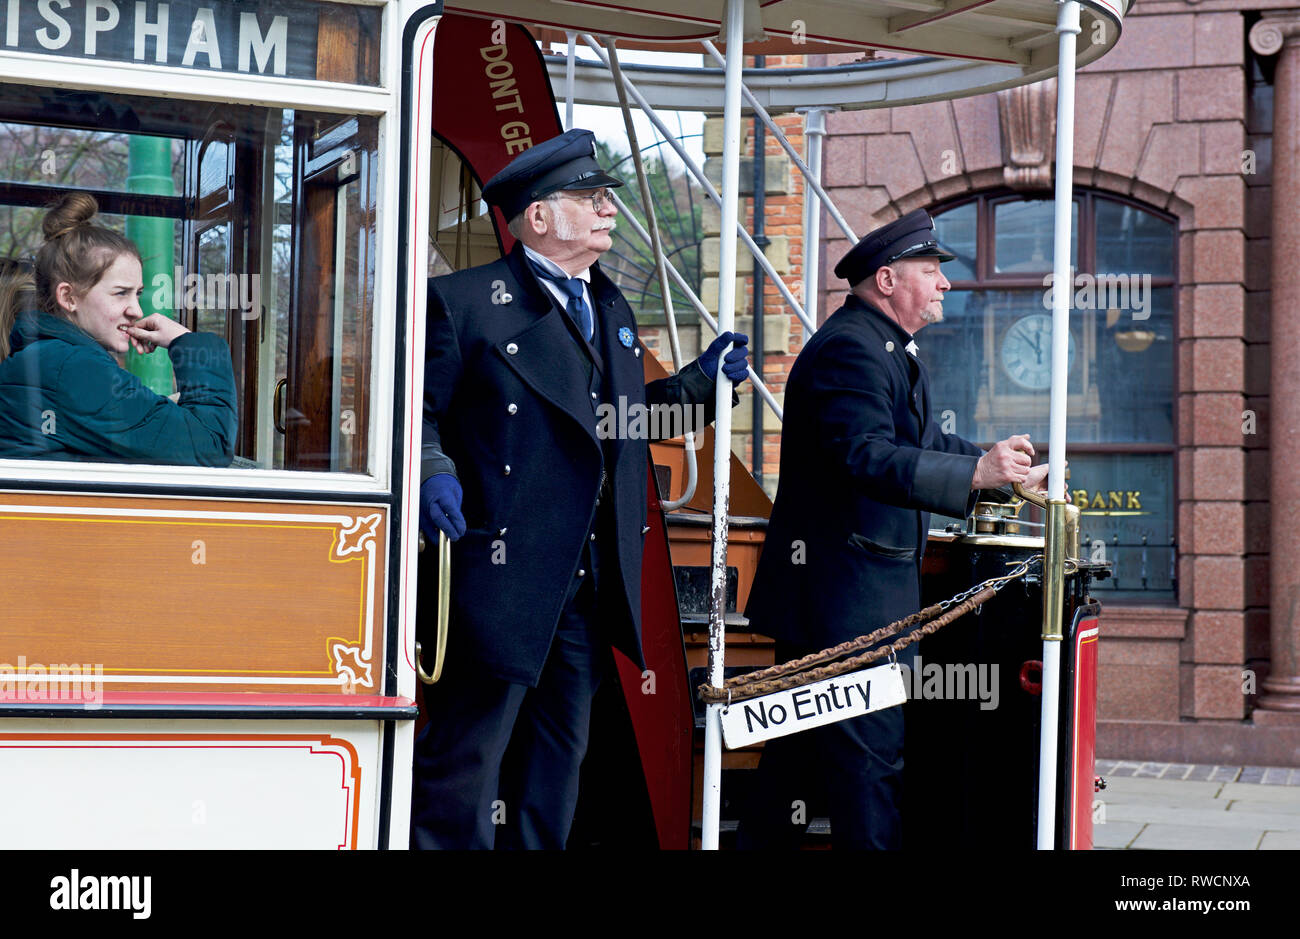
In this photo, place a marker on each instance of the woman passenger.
(63, 395)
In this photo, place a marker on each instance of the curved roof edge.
(879, 84)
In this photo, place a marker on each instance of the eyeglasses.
(599, 198)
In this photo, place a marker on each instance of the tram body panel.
(242, 638)
(258, 596)
(1079, 730)
(972, 760)
(102, 783)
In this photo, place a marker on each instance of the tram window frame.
(1103, 457)
(373, 437)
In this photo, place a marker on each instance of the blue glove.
(736, 363)
(440, 498)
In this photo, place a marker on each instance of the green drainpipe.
(149, 170)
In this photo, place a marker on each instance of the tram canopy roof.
(1017, 34)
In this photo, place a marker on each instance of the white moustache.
(604, 226)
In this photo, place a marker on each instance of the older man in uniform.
(523, 357)
(863, 465)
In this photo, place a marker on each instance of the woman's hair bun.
(71, 212)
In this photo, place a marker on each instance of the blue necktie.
(576, 307)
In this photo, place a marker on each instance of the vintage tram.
(228, 656)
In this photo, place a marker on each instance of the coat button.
(637, 351)
(507, 469)
(512, 408)
(645, 529)
(593, 396)
(581, 572)
(593, 537)
(511, 349)
(889, 347)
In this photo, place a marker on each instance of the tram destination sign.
(274, 37)
(823, 702)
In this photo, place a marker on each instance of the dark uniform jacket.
(63, 397)
(511, 398)
(862, 467)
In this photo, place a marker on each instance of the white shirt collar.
(911, 347)
(551, 267)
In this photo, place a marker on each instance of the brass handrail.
(444, 613)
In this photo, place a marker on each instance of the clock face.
(1027, 352)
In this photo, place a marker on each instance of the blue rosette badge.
(625, 336)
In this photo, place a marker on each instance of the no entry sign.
(824, 702)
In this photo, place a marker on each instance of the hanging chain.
(829, 663)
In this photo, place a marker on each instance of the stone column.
(1280, 693)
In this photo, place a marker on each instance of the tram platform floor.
(1182, 806)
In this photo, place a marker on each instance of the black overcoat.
(508, 407)
(863, 464)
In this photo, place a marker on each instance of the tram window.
(97, 160)
(255, 224)
(214, 170)
(214, 249)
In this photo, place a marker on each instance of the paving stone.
(1253, 791)
(1280, 841)
(1251, 774)
(1161, 837)
(1258, 822)
(1115, 834)
(1177, 771)
(1261, 805)
(1225, 773)
(1183, 788)
(1144, 800)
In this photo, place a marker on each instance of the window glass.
(1126, 510)
(214, 248)
(51, 155)
(1024, 236)
(990, 366)
(1130, 239)
(281, 270)
(955, 231)
(214, 168)
(989, 362)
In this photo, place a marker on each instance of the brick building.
(1181, 375)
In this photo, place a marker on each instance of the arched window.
(990, 362)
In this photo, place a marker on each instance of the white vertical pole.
(1067, 28)
(813, 131)
(722, 423)
(568, 80)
